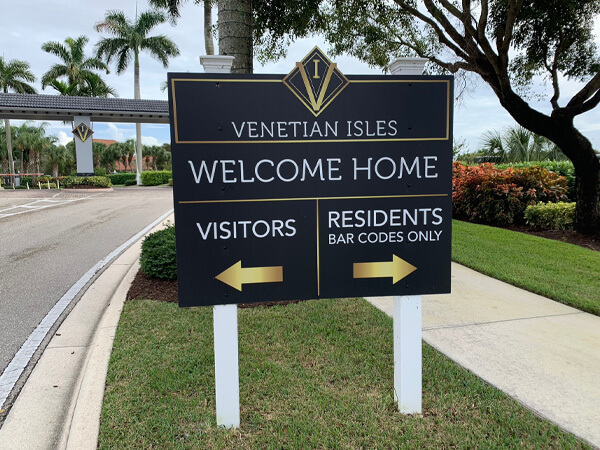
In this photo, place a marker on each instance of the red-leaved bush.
(484, 194)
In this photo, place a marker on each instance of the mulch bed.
(166, 290)
(569, 236)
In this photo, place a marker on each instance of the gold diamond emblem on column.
(316, 81)
(82, 131)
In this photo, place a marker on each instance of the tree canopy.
(507, 43)
(75, 74)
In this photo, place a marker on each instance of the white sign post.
(408, 313)
(227, 384)
(408, 358)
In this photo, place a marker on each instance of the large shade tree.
(509, 44)
(15, 76)
(130, 37)
(76, 73)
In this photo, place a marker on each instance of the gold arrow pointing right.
(397, 269)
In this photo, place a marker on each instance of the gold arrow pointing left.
(236, 276)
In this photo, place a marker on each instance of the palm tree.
(98, 149)
(14, 76)
(3, 150)
(172, 7)
(32, 139)
(76, 68)
(130, 38)
(109, 157)
(56, 156)
(129, 151)
(518, 144)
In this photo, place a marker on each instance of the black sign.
(309, 185)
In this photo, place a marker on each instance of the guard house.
(82, 111)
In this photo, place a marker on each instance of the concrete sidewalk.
(59, 405)
(540, 352)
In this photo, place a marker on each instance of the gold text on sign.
(396, 269)
(236, 276)
(316, 61)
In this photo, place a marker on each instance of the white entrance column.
(83, 145)
(407, 66)
(408, 313)
(227, 383)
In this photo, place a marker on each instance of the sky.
(26, 24)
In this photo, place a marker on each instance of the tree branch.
(514, 6)
(586, 92)
(591, 103)
(438, 31)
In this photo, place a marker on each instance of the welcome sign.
(311, 184)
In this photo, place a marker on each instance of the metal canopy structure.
(58, 107)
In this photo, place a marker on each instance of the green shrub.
(25, 180)
(157, 259)
(170, 181)
(44, 179)
(100, 172)
(156, 177)
(121, 178)
(45, 185)
(551, 216)
(130, 182)
(83, 182)
(485, 194)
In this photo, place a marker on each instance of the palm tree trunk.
(11, 162)
(235, 33)
(138, 126)
(209, 45)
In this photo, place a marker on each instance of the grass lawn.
(563, 272)
(317, 374)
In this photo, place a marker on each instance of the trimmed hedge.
(551, 216)
(156, 177)
(130, 182)
(98, 182)
(485, 194)
(121, 178)
(157, 259)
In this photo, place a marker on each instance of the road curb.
(59, 406)
(85, 422)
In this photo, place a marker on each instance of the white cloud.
(149, 140)
(114, 132)
(63, 138)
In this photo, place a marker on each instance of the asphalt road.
(48, 241)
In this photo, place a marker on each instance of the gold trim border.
(293, 199)
(318, 141)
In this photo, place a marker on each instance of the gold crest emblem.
(316, 81)
(83, 131)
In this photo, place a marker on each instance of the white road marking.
(37, 205)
